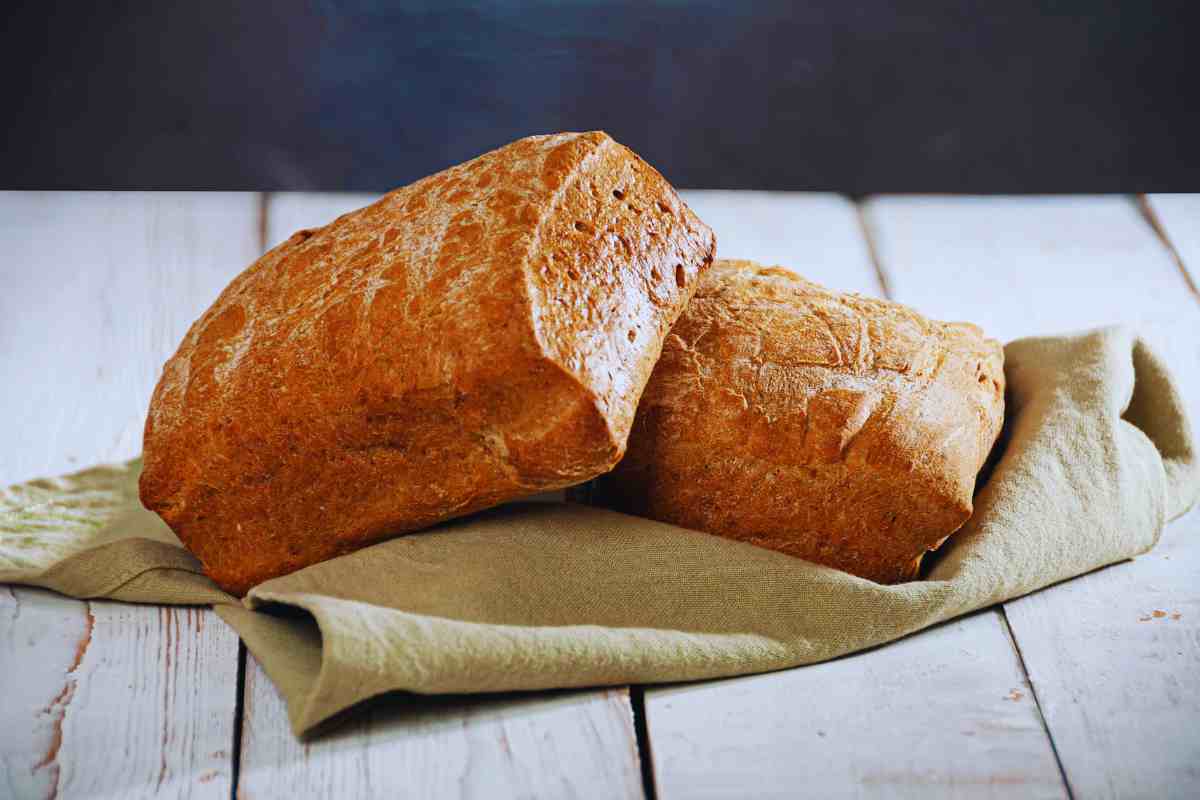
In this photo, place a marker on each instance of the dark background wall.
(869, 96)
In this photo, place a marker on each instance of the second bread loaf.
(841, 429)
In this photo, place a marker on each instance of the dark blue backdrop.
(858, 97)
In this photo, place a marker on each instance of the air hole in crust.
(583, 227)
(572, 274)
(632, 335)
(680, 277)
(617, 193)
(663, 207)
(655, 275)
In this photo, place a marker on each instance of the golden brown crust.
(841, 429)
(481, 334)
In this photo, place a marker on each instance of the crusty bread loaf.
(841, 429)
(479, 335)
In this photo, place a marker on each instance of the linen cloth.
(1095, 457)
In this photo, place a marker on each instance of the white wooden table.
(1088, 689)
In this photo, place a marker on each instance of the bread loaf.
(841, 429)
(482, 334)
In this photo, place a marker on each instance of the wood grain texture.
(121, 700)
(1113, 656)
(102, 699)
(42, 629)
(944, 713)
(553, 744)
(572, 744)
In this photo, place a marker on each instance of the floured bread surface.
(479, 335)
(837, 428)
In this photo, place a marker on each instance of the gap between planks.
(1155, 222)
(1033, 692)
(239, 713)
(263, 209)
(881, 275)
(637, 699)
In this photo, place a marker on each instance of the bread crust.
(479, 335)
(840, 429)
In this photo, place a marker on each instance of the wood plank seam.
(264, 211)
(864, 224)
(1148, 214)
(885, 285)
(1033, 693)
(239, 709)
(637, 700)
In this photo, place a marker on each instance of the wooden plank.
(101, 698)
(943, 713)
(1113, 656)
(552, 744)
(580, 743)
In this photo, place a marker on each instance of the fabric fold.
(1096, 456)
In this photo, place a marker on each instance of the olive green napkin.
(1097, 455)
